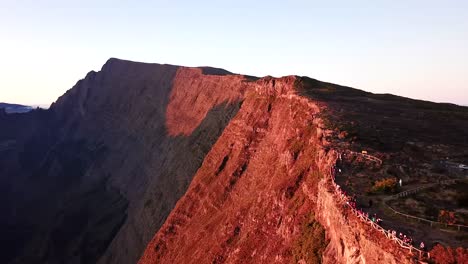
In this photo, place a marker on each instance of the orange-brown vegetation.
(448, 255)
(388, 185)
(446, 217)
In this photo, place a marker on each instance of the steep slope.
(245, 203)
(98, 173)
(256, 198)
(264, 192)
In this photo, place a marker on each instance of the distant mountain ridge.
(15, 108)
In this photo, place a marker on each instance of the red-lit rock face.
(194, 94)
(256, 198)
(242, 205)
(103, 168)
(351, 241)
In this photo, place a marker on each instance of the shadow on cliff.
(95, 176)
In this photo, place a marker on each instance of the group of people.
(406, 239)
(401, 236)
(376, 219)
(351, 201)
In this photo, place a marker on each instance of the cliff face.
(95, 176)
(172, 153)
(261, 193)
(351, 241)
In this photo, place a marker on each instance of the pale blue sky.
(417, 49)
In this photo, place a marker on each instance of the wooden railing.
(366, 156)
(437, 224)
(421, 188)
(344, 200)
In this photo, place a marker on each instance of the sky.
(412, 48)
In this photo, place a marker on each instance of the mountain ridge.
(134, 143)
(15, 108)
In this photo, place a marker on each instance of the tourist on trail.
(421, 246)
(401, 182)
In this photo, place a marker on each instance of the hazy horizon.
(47, 105)
(416, 50)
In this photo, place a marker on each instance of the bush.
(296, 146)
(385, 185)
(311, 243)
(446, 217)
(442, 255)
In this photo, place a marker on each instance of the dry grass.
(311, 242)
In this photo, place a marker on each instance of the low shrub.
(446, 217)
(296, 146)
(442, 255)
(387, 185)
(311, 243)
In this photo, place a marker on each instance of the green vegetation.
(311, 242)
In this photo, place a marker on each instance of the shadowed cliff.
(94, 177)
